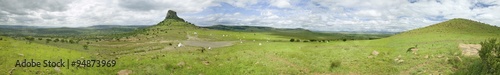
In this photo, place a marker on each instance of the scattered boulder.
(180, 64)
(57, 69)
(469, 49)
(20, 54)
(206, 62)
(124, 72)
(370, 56)
(375, 53)
(11, 70)
(260, 44)
(398, 59)
(440, 56)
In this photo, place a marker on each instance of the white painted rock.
(179, 45)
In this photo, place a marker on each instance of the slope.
(437, 46)
(454, 29)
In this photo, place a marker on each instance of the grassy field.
(154, 50)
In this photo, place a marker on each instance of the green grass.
(12, 50)
(276, 55)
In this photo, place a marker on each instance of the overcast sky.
(320, 15)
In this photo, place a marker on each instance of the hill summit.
(172, 20)
(173, 15)
(457, 25)
(453, 28)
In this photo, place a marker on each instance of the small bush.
(47, 40)
(86, 47)
(456, 62)
(490, 55)
(335, 64)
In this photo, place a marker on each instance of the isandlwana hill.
(174, 46)
(175, 27)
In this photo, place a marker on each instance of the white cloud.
(281, 3)
(240, 3)
(326, 15)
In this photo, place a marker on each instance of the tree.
(313, 40)
(292, 40)
(490, 55)
(48, 40)
(71, 41)
(344, 40)
(30, 39)
(56, 40)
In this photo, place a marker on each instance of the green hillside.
(456, 26)
(440, 39)
(454, 29)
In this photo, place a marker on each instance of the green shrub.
(48, 40)
(86, 47)
(335, 64)
(490, 56)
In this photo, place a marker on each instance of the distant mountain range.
(19, 30)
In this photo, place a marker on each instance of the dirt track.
(209, 44)
(195, 41)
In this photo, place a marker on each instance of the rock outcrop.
(173, 15)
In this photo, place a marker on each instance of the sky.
(316, 15)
